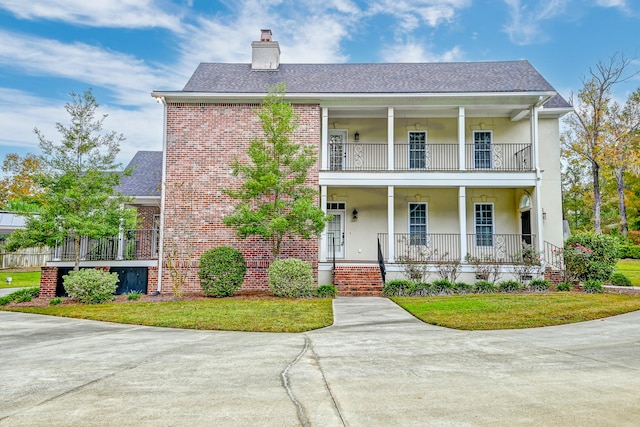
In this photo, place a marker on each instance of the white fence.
(24, 258)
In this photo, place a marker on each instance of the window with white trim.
(417, 150)
(482, 149)
(418, 223)
(484, 224)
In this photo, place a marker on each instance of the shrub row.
(394, 288)
(22, 295)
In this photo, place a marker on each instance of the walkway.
(376, 366)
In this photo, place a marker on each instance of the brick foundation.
(152, 279)
(358, 281)
(48, 281)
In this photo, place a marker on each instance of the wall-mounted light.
(354, 215)
(356, 136)
(544, 215)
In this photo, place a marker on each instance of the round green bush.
(326, 291)
(221, 271)
(509, 286)
(291, 278)
(539, 285)
(619, 279)
(484, 287)
(593, 287)
(397, 288)
(590, 256)
(564, 287)
(91, 286)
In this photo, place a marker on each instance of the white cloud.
(128, 78)
(102, 13)
(526, 19)
(416, 52)
(21, 112)
(411, 14)
(612, 3)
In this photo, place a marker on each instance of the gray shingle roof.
(146, 179)
(456, 77)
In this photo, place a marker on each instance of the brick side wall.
(48, 281)
(145, 216)
(152, 280)
(202, 142)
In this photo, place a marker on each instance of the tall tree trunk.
(597, 201)
(624, 225)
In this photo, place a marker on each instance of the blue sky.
(124, 49)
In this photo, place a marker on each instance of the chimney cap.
(265, 35)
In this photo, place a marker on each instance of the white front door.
(335, 230)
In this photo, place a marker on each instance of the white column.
(120, 253)
(390, 138)
(324, 143)
(461, 139)
(390, 223)
(323, 236)
(535, 142)
(462, 219)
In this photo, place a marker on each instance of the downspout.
(162, 194)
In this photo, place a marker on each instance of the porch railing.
(481, 248)
(422, 247)
(501, 248)
(429, 157)
(554, 256)
(130, 245)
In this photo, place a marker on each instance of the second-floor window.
(482, 149)
(417, 150)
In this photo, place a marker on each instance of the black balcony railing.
(130, 245)
(429, 157)
(433, 248)
(422, 247)
(502, 248)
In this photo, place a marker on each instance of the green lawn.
(20, 279)
(631, 269)
(260, 315)
(516, 311)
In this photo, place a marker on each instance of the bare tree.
(587, 126)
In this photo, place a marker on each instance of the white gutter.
(162, 192)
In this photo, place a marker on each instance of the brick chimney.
(265, 54)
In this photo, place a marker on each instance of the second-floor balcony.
(365, 157)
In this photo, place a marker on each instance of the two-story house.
(423, 162)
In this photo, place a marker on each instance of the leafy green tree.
(274, 201)
(75, 182)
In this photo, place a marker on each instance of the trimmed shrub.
(134, 295)
(591, 256)
(422, 289)
(326, 291)
(509, 286)
(629, 251)
(221, 271)
(22, 295)
(91, 286)
(397, 288)
(291, 278)
(620, 279)
(484, 287)
(463, 288)
(593, 287)
(442, 287)
(539, 285)
(564, 287)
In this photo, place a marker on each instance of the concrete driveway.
(376, 366)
